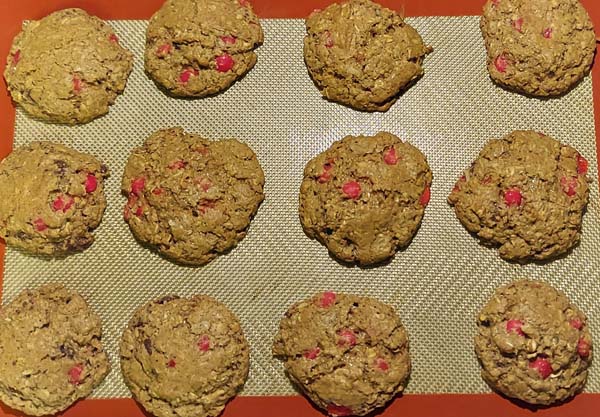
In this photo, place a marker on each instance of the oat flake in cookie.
(184, 357)
(538, 47)
(190, 197)
(51, 198)
(364, 197)
(348, 354)
(525, 193)
(51, 353)
(195, 48)
(362, 55)
(67, 67)
(533, 344)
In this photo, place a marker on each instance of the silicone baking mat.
(437, 284)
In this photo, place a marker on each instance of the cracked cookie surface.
(67, 67)
(51, 353)
(184, 357)
(348, 354)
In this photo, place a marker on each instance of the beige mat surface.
(437, 284)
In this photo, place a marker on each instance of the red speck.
(390, 157)
(339, 410)
(229, 39)
(69, 204)
(40, 225)
(347, 337)
(91, 183)
(312, 353)
(327, 299)
(457, 185)
(244, 3)
(205, 184)
(583, 348)
(139, 211)
(576, 323)
(582, 165)
(542, 365)
(495, 2)
(171, 363)
(203, 150)
(569, 185)
(518, 24)
(381, 364)
(501, 63)
(185, 76)
(515, 326)
(75, 374)
(487, 180)
(77, 84)
(113, 38)
(513, 197)
(205, 206)
(425, 197)
(157, 191)
(178, 165)
(352, 189)
(547, 33)
(164, 49)
(327, 39)
(126, 213)
(204, 343)
(137, 185)
(16, 57)
(224, 62)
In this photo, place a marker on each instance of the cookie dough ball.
(196, 48)
(533, 344)
(51, 352)
(538, 47)
(525, 193)
(51, 198)
(189, 197)
(348, 354)
(364, 197)
(67, 67)
(362, 55)
(184, 357)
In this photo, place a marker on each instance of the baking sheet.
(437, 284)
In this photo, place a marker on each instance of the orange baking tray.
(12, 13)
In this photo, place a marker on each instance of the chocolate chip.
(148, 346)
(67, 351)
(166, 299)
(62, 166)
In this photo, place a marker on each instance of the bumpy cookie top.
(184, 356)
(201, 47)
(533, 344)
(190, 197)
(349, 354)
(50, 350)
(51, 198)
(365, 196)
(538, 47)
(67, 67)
(362, 54)
(525, 193)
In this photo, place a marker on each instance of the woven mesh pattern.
(437, 284)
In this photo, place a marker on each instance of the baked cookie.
(348, 354)
(525, 193)
(537, 47)
(364, 197)
(195, 48)
(362, 55)
(189, 197)
(184, 357)
(67, 67)
(51, 198)
(51, 352)
(533, 344)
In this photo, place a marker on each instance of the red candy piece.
(58, 203)
(204, 343)
(171, 363)
(513, 197)
(164, 49)
(390, 157)
(569, 185)
(139, 211)
(501, 63)
(582, 165)
(157, 191)
(425, 197)
(224, 62)
(178, 165)
(328, 299)
(77, 84)
(75, 374)
(91, 183)
(352, 189)
(542, 365)
(325, 175)
(347, 337)
(518, 24)
(40, 225)
(381, 364)
(515, 326)
(137, 185)
(229, 39)
(583, 348)
(185, 76)
(339, 410)
(16, 57)
(547, 33)
(576, 323)
(328, 39)
(312, 353)
(113, 38)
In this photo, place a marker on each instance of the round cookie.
(51, 198)
(189, 197)
(67, 67)
(525, 193)
(348, 354)
(533, 344)
(362, 55)
(537, 47)
(184, 357)
(196, 48)
(51, 353)
(364, 197)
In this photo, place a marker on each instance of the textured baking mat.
(437, 284)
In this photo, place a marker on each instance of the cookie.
(533, 344)
(196, 48)
(538, 47)
(51, 351)
(51, 198)
(362, 55)
(184, 356)
(189, 197)
(526, 194)
(348, 354)
(364, 197)
(67, 67)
